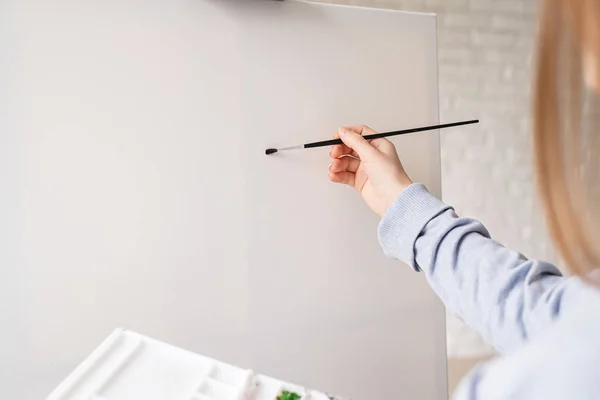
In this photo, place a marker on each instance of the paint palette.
(130, 366)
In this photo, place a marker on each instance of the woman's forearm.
(495, 290)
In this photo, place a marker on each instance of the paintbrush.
(332, 142)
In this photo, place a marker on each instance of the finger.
(357, 143)
(362, 130)
(345, 177)
(345, 163)
(340, 149)
(383, 145)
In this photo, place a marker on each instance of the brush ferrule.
(296, 147)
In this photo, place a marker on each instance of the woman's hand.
(372, 168)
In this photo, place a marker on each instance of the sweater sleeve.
(497, 291)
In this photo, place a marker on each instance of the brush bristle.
(270, 151)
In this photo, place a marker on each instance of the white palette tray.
(129, 366)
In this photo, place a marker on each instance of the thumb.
(357, 143)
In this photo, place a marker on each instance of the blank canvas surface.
(137, 192)
(322, 292)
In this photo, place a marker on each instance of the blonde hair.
(569, 35)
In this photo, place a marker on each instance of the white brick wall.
(484, 65)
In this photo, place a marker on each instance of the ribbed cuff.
(405, 220)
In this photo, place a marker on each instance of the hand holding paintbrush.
(372, 168)
(366, 161)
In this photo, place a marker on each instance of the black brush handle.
(394, 133)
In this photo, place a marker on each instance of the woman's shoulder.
(562, 363)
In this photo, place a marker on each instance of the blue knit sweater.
(545, 326)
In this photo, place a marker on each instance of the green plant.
(285, 395)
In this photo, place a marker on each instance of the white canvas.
(137, 193)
